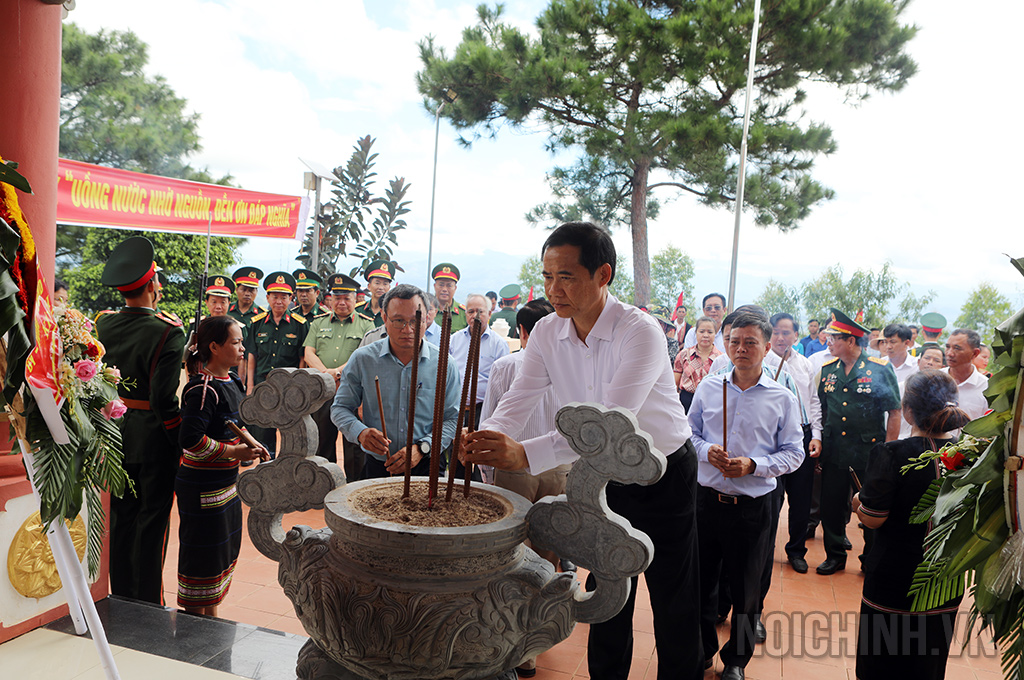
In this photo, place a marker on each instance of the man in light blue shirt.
(492, 347)
(747, 431)
(390, 360)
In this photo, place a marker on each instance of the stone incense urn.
(388, 601)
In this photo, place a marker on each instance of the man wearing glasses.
(714, 307)
(390, 359)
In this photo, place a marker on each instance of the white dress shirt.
(764, 425)
(492, 348)
(622, 363)
(503, 373)
(972, 398)
(691, 339)
(906, 369)
(802, 371)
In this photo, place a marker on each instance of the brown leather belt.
(137, 404)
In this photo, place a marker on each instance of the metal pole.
(743, 155)
(433, 190)
(315, 257)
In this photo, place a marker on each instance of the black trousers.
(836, 493)
(327, 445)
(733, 540)
(665, 511)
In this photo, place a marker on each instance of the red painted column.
(30, 32)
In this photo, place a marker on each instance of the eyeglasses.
(713, 308)
(400, 324)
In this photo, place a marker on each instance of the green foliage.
(343, 218)
(180, 255)
(776, 298)
(530, 275)
(671, 274)
(622, 285)
(659, 86)
(871, 291)
(982, 311)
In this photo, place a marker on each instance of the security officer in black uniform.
(147, 349)
(857, 393)
(510, 296)
(379, 276)
(446, 282)
(275, 341)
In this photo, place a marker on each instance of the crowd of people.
(748, 413)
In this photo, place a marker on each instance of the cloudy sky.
(923, 178)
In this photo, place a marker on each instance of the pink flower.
(115, 409)
(114, 373)
(85, 370)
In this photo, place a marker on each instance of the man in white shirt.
(492, 347)
(962, 346)
(715, 308)
(597, 349)
(896, 345)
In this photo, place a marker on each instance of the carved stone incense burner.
(388, 601)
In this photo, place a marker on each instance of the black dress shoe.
(847, 544)
(567, 566)
(732, 673)
(760, 634)
(830, 566)
(799, 564)
(526, 672)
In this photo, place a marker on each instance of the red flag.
(42, 366)
(860, 315)
(530, 298)
(679, 301)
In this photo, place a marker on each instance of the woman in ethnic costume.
(893, 641)
(210, 530)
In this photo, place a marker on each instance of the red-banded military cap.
(380, 268)
(445, 270)
(248, 276)
(841, 324)
(510, 293)
(130, 265)
(220, 285)
(279, 282)
(933, 323)
(305, 278)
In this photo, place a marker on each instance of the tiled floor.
(811, 621)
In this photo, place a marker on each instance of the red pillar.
(30, 31)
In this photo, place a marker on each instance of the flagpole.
(741, 181)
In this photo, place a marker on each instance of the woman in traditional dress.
(693, 364)
(210, 529)
(893, 641)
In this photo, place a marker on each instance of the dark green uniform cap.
(248, 276)
(933, 323)
(279, 282)
(339, 283)
(841, 324)
(510, 293)
(304, 278)
(380, 269)
(445, 270)
(130, 265)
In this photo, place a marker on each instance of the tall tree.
(654, 85)
(671, 274)
(777, 297)
(983, 310)
(343, 218)
(874, 292)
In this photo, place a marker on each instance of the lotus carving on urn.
(382, 600)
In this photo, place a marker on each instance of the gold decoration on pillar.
(30, 565)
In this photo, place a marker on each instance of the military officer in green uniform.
(379, 276)
(247, 282)
(275, 341)
(932, 325)
(147, 349)
(331, 340)
(218, 298)
(510, 296)
(446, 282)
(858, 392)
(307, 293)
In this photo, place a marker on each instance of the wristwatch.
(424, 447)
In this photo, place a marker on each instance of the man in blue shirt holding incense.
(746, 429)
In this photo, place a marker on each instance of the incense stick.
(725, 415)
(439, 394)
(782, 362)
(380, 408)
(473, 367)
(413, 389)
(457, 444)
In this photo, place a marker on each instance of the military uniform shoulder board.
(172, 320)
(830, 361)
(364, 315)
(105, 311)
(299, 317)
(259, 317)
(877, 360)
(321, 315)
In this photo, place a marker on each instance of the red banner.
(95, 196)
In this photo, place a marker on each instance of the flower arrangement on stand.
(89, 407)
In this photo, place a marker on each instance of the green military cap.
(841, 324)
(279, 282)
(248, 276)
(661, 313)
(511, 292)
(933, 323)
(445, 270)
(380, 269)
(220, 285)
(304, 278)
(339, 283)
(130, 265)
